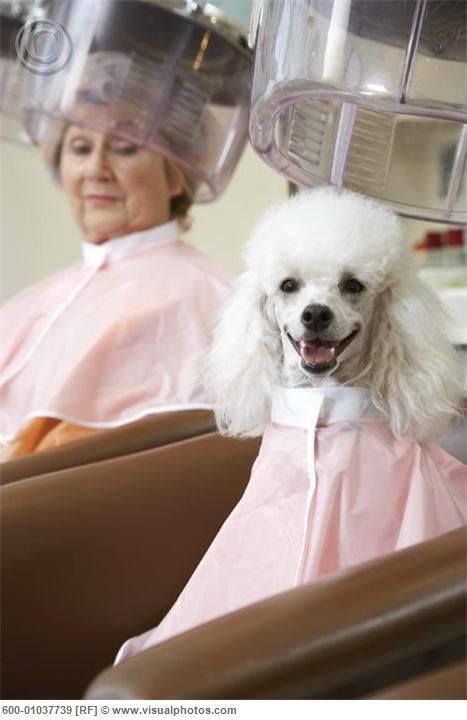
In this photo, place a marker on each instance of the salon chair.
(150, 432)
(95, 554)
(347, 636)
(449, 683)
(455, 440)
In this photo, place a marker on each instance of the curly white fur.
(400, 351)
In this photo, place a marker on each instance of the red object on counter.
(433, 240)
(454, 237)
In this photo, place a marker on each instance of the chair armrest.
(449, 683)
(149, 432)
(342, 637)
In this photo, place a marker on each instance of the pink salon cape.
(332, 487)
(111, 339)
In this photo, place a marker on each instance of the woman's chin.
(98, 233)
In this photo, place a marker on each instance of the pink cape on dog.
(332, 487)
(113, 339)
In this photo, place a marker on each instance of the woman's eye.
(289, 285)
(125, 149)
(353, 286)
(80, 149)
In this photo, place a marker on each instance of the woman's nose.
(98, 165)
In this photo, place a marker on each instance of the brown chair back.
(96, 554)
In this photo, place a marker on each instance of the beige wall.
(38, 234)
(220, 229)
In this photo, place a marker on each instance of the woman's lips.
(101, 199)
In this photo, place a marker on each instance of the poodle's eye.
(354, 286)
(289, 285)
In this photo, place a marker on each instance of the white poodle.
(331, 297)
(334, 349)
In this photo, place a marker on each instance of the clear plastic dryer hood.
(365, 94)
(170, 75)
(12, 16)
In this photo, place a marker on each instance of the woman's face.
(115, 188)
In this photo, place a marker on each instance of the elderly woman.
(121, 334)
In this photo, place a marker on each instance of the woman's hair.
(180, 206)
(52, 150)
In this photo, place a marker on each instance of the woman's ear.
(416, 377)
(242, 366)
(175, 179)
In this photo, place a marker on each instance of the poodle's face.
(322, 261)
(324, 319)
(330, 296)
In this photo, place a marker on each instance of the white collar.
(116, 248)
(302, 407)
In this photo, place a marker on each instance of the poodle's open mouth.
(318, 355)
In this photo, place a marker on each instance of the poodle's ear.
(244, 361)
(415, 375)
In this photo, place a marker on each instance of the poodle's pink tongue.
(315, 354)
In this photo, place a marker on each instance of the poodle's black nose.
(317, 317)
